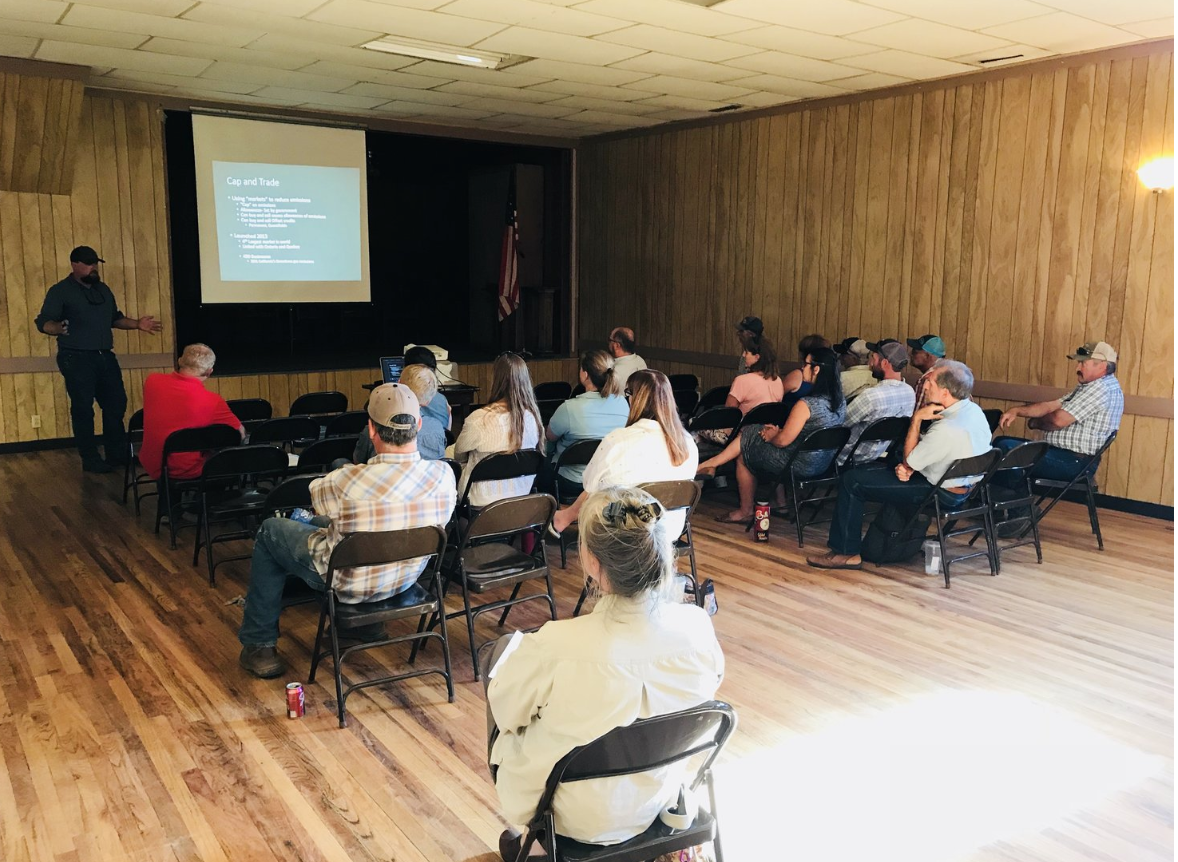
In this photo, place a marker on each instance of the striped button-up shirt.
(390, 492)
(887, 398)
(1097, 407)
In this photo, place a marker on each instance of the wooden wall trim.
(36, 364)
(1029, 67)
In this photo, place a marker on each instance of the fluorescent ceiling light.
(444, 53)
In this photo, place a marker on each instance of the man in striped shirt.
(395, 490)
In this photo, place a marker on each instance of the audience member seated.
(395, 490)
(431, 439)
(766, 449)
(760, 385)
(891, 396)
(925, 352)
(622, 345)
(597, 411)
(855, 358)
(1078, 424)
(958, 430)
(748, 328)
(437, 407)
(641, 653)
(180, 400)
(653, 447)
(509, 423)
(794, 383)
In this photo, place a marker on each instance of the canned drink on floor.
(295, 704)
(761, 521)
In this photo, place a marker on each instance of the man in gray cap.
(395, 490)
(80, 310)
(891, 396)
(1078, 424)
(855, 358)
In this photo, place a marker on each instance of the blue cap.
(929, 344)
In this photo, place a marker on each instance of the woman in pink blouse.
(760, 385)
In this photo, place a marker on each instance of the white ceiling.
(601, 65)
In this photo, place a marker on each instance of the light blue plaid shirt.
(883, 400)
(1097, 407)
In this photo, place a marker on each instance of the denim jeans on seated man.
(876, 484)
(280, 550)
(1060, 465)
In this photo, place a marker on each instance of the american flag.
(509, 259)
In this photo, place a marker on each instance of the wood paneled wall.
(1004, 215)
(38, 132)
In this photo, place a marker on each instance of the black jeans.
(94, 375)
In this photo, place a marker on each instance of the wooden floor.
(1023, 717)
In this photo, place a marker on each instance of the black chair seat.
(497, 564)
(253, 498)
(412, 602)
(658, 839)
(296, 592)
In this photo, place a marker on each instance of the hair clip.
(615, 513)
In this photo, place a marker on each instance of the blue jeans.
(877, 484)
(280, 551)
(1058, 464)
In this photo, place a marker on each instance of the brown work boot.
(262, 661)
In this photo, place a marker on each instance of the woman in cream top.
(638, 654)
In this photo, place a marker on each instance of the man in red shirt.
(180, 400)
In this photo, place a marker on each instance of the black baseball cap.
(844, 346)
(874, 346)
(85, 254)
(752, 324)
(419, 355)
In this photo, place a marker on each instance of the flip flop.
(824, 563)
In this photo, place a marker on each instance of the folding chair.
(556, 390)
(346, 424)
(714, 397)
(1085, 478)
(715, 419)
(231, 489)
(972, 506)
(891, 430)
(992, 415)
(673, 495)
(576, 455)
(820, 440)
(290, 494)
(685, 402)
(321, 454)
(209, 438)
(252, 412)
(359, 550)
(483, 560)
(1005, 502)
(319, 404)
(548, 409)
(134, 476)
(497, 467)
(648, 743)
(287, 431)
(770, 413)
(684, 382)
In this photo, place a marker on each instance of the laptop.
(391, 368)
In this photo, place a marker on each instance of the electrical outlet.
(36, 421)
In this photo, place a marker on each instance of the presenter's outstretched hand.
(148, 323)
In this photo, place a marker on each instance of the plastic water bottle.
(932, 556)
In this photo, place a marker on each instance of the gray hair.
(421, 381)
(397, 436)
(1110, 368)
(954, 376)
(197, 359)
(624, 529)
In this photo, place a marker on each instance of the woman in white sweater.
(653, 447)
(640, 653)
(509, 423)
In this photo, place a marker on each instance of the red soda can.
(761, 521)
(295, 705)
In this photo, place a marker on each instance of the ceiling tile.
(60, 33)
(410, 23)
(684, 103)
(203, 50)
(1155, 29)
(44, 11)
(605, 118)
(405, 94)
(455, 72)
(787, 66)
(308, 50)
(679, 67)
(297, 28)
(17, 46)
(976, 15)
(409, 4)
(387, 77)
(1062, 32)
(555, 46)
(335, 100)
(679, 44)
(179, 81)
(576, 72)
(1018, 53)
(672, 14)
(1125, 12)
(418, 109)
(667, 85)
(765, 100)
(832, 17)
(800, 42)
(907, 65)
(492, 91)
(608, 105)
(512, 106)
(926, 37)
(291, 8)
(226, 71)
(671, 115)
(789, 87)
(592, 91)
(119, 58)
(170, 8)
(538, 16)
(156, 25)
(870, 81)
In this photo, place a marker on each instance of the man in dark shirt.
(81, 311)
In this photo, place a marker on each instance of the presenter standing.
(80, 310)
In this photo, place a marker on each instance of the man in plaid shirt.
(395, 490)
(1078, 424)
(890, 397)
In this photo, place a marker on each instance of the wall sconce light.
(1158, 175)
